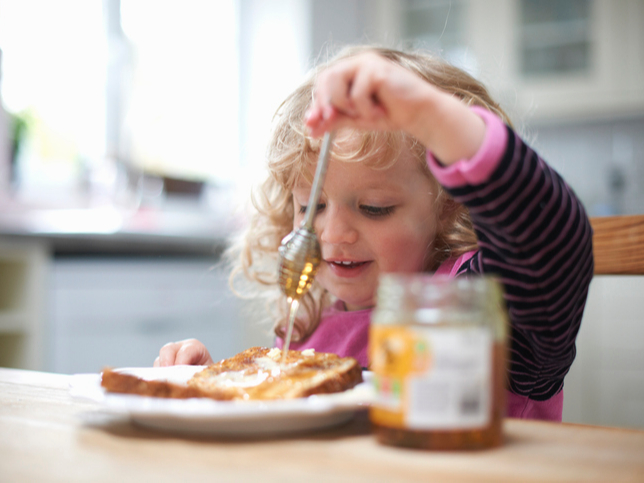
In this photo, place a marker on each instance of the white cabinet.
(606, 84)
(119, 311)
(23, 275)
(541, 63)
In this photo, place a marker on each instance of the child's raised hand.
(188, 352)
(365, 92)
(369, 92)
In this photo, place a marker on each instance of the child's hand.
(369, 92)
(188, 352)
(366, 92)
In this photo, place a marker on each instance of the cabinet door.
(542, 59)
(579, 58)
(120, 312)
(23, 271)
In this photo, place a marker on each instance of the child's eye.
(321, 206)
(377, 211)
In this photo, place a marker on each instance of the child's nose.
(335, 227)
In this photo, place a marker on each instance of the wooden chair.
(618, 245)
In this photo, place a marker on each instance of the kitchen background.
(132, 131)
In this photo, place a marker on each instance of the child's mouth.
(346, 268)
(349, 264)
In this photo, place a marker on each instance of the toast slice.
(254, 374)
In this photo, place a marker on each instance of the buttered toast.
(254, 374)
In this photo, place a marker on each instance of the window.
(180, 117)
(53, 71)
(110, 87)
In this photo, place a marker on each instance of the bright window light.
(182, 117)
(53, 67)
(175, 88)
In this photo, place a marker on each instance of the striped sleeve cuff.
(480, 167)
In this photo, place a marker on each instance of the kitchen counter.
(135, 247)
(45, 435)
(107, 230)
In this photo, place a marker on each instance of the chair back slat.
(618, 245)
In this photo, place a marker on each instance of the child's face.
(370, 221)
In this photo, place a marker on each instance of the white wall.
(603, 161)
(605, 385)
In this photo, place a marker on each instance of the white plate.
(199, 415)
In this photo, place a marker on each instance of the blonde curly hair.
(291, 153)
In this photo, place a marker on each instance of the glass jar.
(437, 349)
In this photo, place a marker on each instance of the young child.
(425, 175)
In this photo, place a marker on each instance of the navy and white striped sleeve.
(535, 236)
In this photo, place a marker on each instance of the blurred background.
(131, 133)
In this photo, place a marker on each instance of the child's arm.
(188, 352)
(370, 92)
(535, 236)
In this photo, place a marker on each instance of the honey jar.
(437, 349)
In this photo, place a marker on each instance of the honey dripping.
(295, 286)
(299, 252)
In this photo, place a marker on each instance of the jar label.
(431, 378)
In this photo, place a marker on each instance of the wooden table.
(45, 435)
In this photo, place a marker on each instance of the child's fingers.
(329, 122)
(322, 120)
(339, 121)
(319, 115)
(167, 355)
(333, 87)
(189, 351)
(313, 117)
(339, 97)
(364, 95)
(192, 352)
(346, 95)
